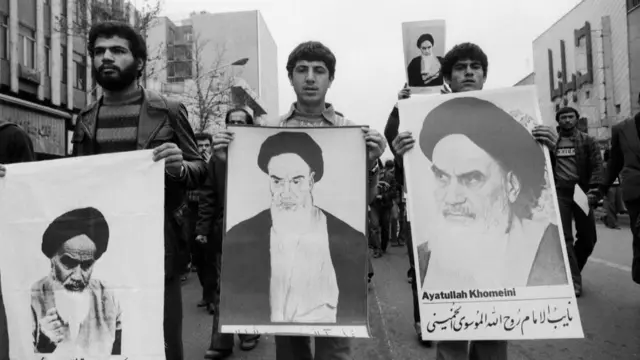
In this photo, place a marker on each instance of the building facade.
(236, 48)
(45, 72)
(633, 23)
(582, 61)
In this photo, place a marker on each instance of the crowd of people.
(125, 118)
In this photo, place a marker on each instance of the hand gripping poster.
(294, 254)
(82, 265)
(488, 242)
(424, 48)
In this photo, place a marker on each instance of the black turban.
(493, 130)
(86, 221)
(424, 37)
(288, 142)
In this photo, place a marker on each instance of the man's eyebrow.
(298, 177)
(275, 177)
(436, 169)
(471, 174)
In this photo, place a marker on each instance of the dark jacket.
(211, 204)
(390, 133)
(414, 74)
(15, 145)
(161, 120)
(624, 159)
(588, 161)
(246, 275)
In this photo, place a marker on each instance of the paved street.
(609, 307)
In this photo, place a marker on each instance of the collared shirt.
(329, 117)
(304, 287)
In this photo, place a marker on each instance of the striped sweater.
(117, 126)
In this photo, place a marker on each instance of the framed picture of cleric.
(83, 270)
(488, 241)
(424, 48)
(295, 250)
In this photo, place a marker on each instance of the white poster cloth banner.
(490, 256)
(83, 261)
(295, 251)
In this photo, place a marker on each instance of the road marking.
(610, 264)
(384, 324)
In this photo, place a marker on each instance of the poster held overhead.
(424, 48)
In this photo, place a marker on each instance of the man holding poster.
(465, 69)
(130, 118)
(311, 70)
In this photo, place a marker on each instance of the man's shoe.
(250, 343)
(217, 354)
(202, 303)
(211, 309)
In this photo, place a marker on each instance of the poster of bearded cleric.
(424, 48)
(82, 264)
(295, 253)
(491, 259)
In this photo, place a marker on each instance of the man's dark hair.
(249, 117)
(109, 29)
(203, 136)
(312, 51)
(424, 37)
(461, 52)
(389, 164)
(567, 110)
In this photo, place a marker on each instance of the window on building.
(81, 73)
(618, 109)
(63, 55)
(587, 94)
(63, 5)
(47, 56)
(27, 42)
(80, 12)
(4, 37)
(632, 3)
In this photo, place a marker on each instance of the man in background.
(209, 232)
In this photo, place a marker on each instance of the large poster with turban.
(488, 243)
(294, 254)
(82, 264)
(424, 49)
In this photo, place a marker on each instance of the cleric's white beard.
(431, 64)
(465, 254)
(73, 307)
(295, 221)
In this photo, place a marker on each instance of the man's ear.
(312, 182)
(513, 187)
(290, 79)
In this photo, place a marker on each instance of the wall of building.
(600, 91)
(268, 52)
(633, 21)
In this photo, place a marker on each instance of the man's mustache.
(458, 211)
(74, 286)
(108, 67)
